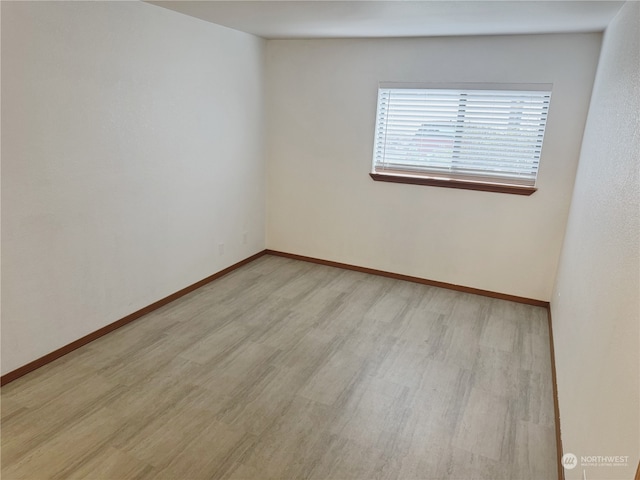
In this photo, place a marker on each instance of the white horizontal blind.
(492, 136)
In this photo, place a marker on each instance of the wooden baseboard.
(556, 406)
(50, 357)
(407, 278)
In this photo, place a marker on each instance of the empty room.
(320, 239)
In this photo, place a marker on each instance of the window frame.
(461, 181)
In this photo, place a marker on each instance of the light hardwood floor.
(286, 369)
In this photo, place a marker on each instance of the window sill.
(465, 185)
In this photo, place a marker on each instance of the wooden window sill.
(466, 185)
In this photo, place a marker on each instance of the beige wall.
(596, 301)
(321, 104)
(131, 147)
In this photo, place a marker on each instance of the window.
(477, 138)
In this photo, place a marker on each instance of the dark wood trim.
(556, 407)
(50, 357)
(407, 278)
(466, 185)
(637, 477)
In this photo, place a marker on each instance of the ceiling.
(361, 18)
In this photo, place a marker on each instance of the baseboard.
(50, 357)
(407, 278)
(556, 406)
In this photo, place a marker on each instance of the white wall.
(596, 301)
(132, 144)
(321, 202)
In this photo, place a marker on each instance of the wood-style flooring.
(289, 370)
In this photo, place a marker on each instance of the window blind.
(492, 136)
